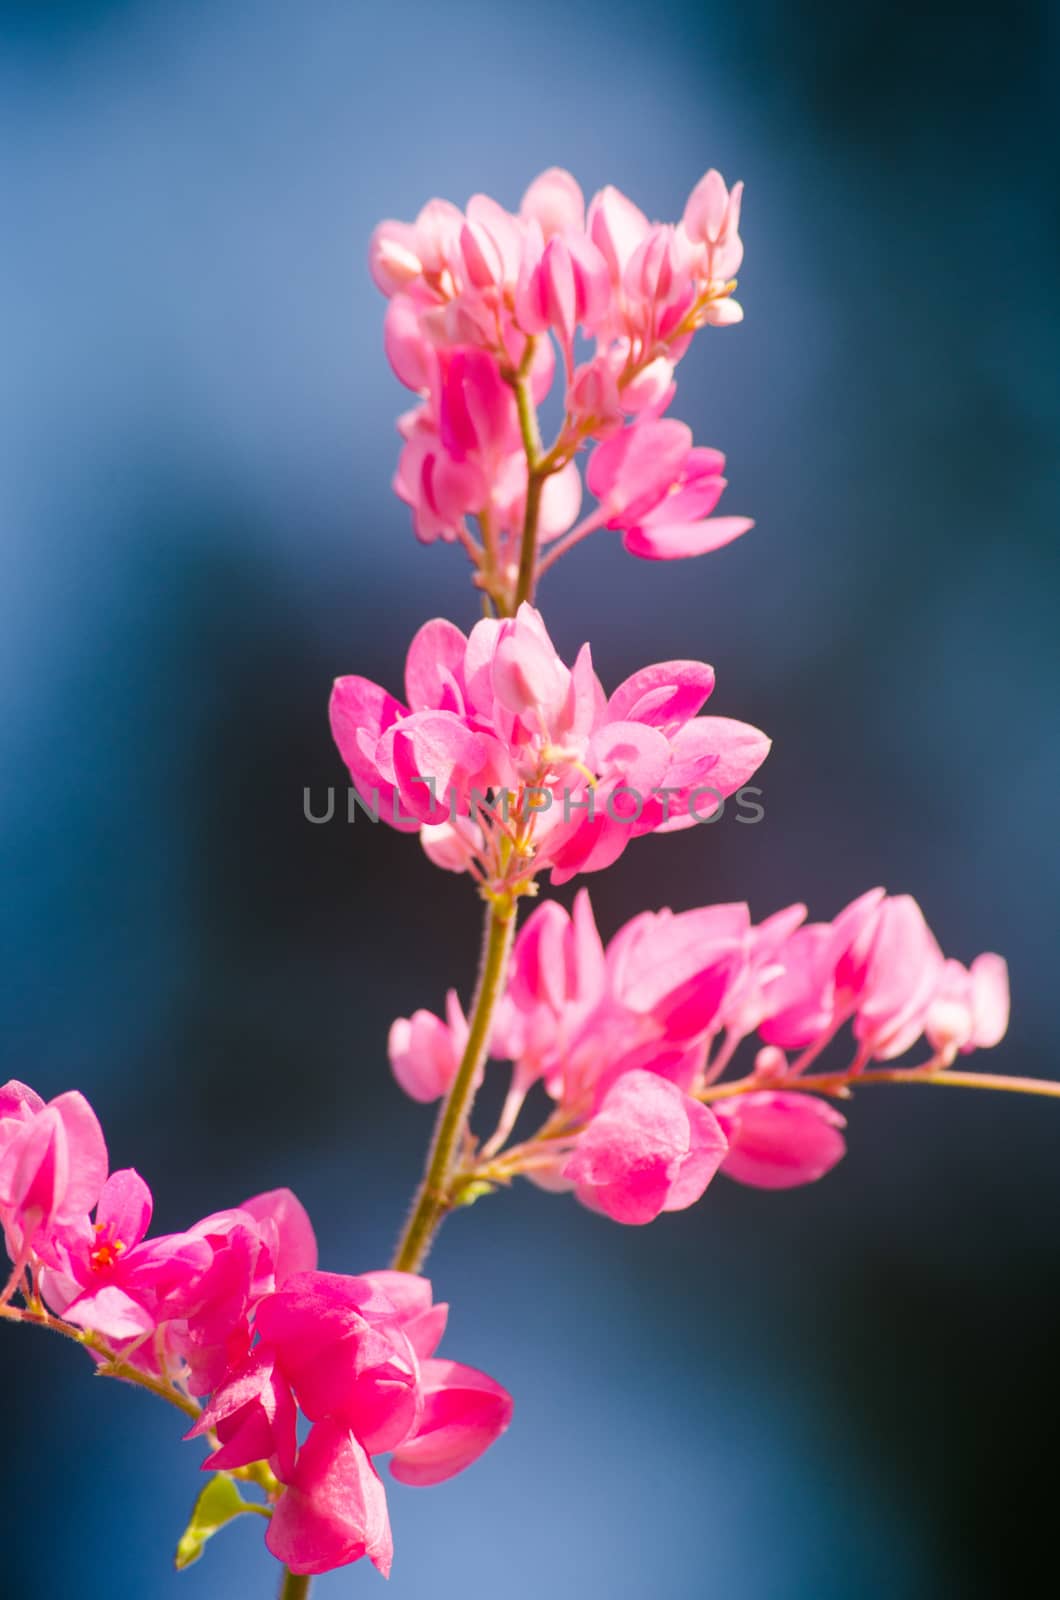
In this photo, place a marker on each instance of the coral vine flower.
(777, 1141)
(53, 1164)
(629, 1037)
(476, 299)
(649, 1148)
(108, 1279)
(652, 484)
(425, 1052)
(333, 1510)
(234, 1309)
(518, 762)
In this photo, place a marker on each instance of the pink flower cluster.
(630, 1040)
(476, 298)
(509, 762)
(235, 1308)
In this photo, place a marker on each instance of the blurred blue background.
(846, 1391)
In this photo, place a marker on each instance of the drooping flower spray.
(509, 763)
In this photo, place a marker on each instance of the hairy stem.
(434, 1198)
(841, 1083)
(535, 482)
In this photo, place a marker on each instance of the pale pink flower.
(712, 221)
(970, 1008)
(649, 1148)
(556, 203)
(425, 1052)
(660, 490)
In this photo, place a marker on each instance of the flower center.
(108, 1248)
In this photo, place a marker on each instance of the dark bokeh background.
(846, 1391)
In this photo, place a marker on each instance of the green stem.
(294, 1585)
(535, 482)
(524, 588)
(842, 1083)
(434, 1198)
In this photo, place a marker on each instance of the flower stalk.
(435, 1196)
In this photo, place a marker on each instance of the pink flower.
(616, 226)
(254, 1249)
(107, 1278)
(894, 968)
(464, 1412)
(254, 1417)
(333, 1510)
(654, 485)
(340, 1344)
(555, 201)
(649, 1148)
(712, 221)
(565, 288)
(821, 976)
(499, 714)
(425, 1052)
(777, 1140)
(474, 297)
(970, 1008)
(53, 1164)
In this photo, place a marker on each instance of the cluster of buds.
(234, 1313)
(481, 300)
(631, 1042)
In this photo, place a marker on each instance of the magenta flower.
(464, 1412)
(53, 1164)
(254, 1417)
(108, 1278)
(333, 1510)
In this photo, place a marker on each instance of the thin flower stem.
(535, 482)
(434, 1198)
(588, 525)
(841, 1083)
(294, 1585)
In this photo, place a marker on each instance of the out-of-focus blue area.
(846, 1391)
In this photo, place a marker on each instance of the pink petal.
(125, 1206)
(334, 1508)
(556, 201)
(668, 692)
(673, 541)
(464, 1412)
(649, 1148)
(434, 662)
(777, 1140)
(293, 1246)
(990, 1000)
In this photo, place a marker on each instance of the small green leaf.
(218, 1503)
(468, 1193)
